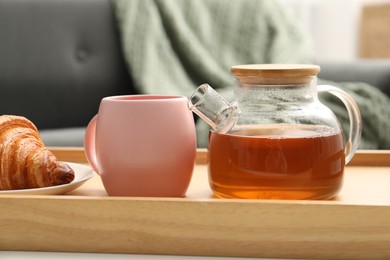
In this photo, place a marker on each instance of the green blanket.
(172, 46)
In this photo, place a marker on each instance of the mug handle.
(89, 144)
(355, 119)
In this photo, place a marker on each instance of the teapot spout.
(213, 108)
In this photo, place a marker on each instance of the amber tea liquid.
(277, 162)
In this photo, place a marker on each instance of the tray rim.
(374, 158)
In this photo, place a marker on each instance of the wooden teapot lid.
(275, 70)
(275, 73)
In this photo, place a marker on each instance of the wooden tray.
(355, 225)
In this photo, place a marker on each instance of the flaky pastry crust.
(25, 162)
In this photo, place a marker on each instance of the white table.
(19, 255)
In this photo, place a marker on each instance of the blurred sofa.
(58, 59)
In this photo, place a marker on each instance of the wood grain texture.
(355, 225)
(190, 227)
(69, 154)
(374, 31)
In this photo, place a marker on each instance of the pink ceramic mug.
(142, 145)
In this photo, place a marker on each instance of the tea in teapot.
(276, 140)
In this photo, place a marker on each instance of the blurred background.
(345, 30)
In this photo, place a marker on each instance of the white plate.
(82, 173)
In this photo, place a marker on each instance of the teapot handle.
(355, 120)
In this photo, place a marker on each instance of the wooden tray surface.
(355, 225)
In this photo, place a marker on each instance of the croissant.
(25, 162)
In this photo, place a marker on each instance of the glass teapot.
(276, 140)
